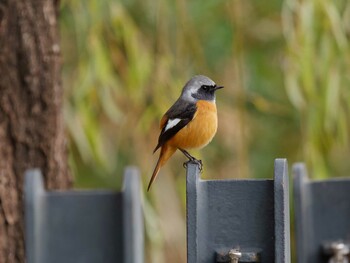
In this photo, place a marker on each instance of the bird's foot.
(191, 159)
(195, 161)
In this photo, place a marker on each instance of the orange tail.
(165, 153)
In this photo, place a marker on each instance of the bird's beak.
(218, 87)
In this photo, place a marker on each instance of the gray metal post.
(322, 216)
(83, 226)
(33, 203)
(133, 220)
(282, 216)
(245, 220)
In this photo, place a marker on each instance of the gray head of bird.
(200, 88)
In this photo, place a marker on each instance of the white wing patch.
(171, 123)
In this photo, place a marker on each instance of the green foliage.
(317, 78)
(125, 63)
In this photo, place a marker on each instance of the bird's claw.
(195, 161)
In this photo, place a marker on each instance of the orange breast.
(201, 130)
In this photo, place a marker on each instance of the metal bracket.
(236, 255)
(337, 250)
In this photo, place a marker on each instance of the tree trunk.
(31, 121)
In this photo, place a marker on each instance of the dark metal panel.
(322, 214)
(238, 214)
(226, 214)
(83, 226)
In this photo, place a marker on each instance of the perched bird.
(190, 123)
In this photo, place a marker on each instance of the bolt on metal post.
(234, 255)
(339, 252)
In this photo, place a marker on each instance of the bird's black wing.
(177, 117)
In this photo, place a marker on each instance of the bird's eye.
(205, 87)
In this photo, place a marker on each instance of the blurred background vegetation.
(285, 66)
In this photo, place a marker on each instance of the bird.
(190, 123)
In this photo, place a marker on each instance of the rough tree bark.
(31, 122)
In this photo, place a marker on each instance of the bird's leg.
(186, 153)
(191, 159)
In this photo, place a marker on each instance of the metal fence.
(227, 220)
